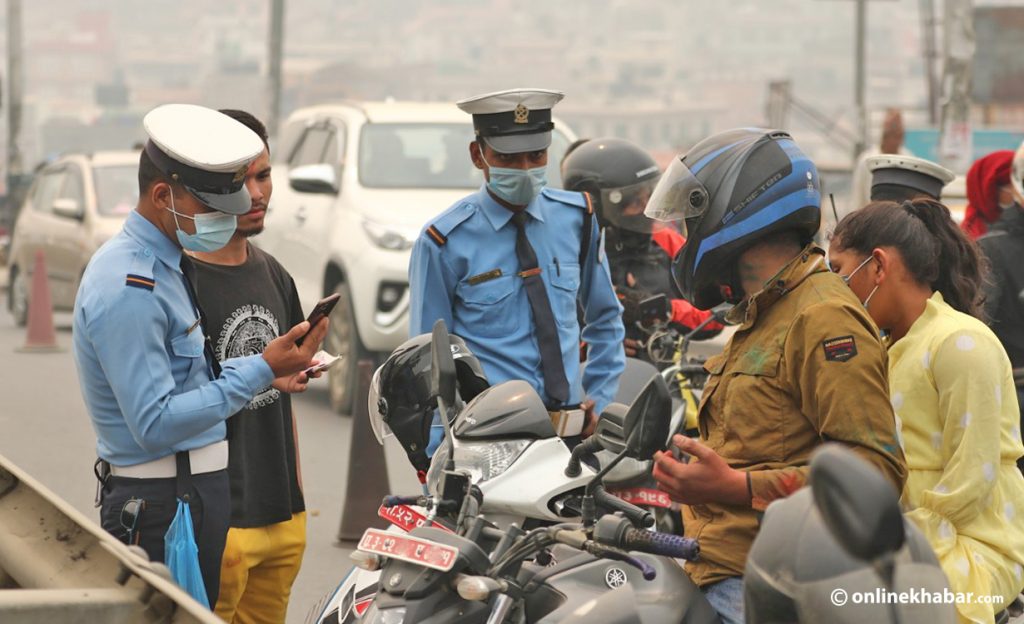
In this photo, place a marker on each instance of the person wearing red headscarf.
(988, 192)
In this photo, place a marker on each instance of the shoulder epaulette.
(140, 273)
(138, 281)
(572, 198)
(450, 219)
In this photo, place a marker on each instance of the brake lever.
(607, 552)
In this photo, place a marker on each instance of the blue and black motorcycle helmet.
(730, 191)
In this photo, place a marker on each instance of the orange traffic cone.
(41, 337)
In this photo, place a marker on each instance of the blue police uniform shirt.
(464, 270)
(139, 353)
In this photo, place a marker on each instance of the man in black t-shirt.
(249, 299)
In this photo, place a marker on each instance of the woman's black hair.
(934, 249)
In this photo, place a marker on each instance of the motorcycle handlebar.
(578, 539)
(618, 532)
(395, 501)
(663, 544)
(420, 501)
(639, 517)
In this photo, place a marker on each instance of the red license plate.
(407, 518)
(410, 549)
(647, 497)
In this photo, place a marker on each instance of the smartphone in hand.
(321, 310)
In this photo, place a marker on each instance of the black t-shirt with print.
(246, 307)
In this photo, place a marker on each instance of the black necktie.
(555, 384)
(188, 270)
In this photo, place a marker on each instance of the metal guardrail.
(56, 565)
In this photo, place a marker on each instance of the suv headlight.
(486, 460)
(389, 236)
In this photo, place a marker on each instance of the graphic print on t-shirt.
(247, 332)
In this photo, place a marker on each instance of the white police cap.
(918, 174)
(206, 151)
(515, 120)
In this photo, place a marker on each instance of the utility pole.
(15, 78)
(930, 55)
(860, 80)
(955, 142)
(860, 76)
(275, 50)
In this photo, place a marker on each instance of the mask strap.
(870, 295)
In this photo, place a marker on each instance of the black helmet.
(619, 175)
(732, 190)
(400, 399)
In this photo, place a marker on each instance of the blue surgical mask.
(213, 229)
(516, 186)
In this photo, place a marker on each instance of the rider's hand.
(589, 419)
(286, 358)
(708, 480)
(632, 347)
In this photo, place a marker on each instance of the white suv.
(353, 185)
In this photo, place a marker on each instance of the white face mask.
(847, 278)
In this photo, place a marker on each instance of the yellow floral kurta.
(956, 410)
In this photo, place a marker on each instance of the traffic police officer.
(506, 266)
(156, 397)
(895, 177)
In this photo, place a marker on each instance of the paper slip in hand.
(324, 361)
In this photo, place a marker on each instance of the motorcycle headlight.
(486, 460)
(389, 236)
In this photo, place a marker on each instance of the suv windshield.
(117, 189)
(417, 155)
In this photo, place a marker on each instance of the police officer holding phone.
(157, 397)
(507, 267)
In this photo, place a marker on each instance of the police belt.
(210, 458)
(568, 422)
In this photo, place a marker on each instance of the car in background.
(354, 183)
(76, 203)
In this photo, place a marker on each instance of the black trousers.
(210, 505)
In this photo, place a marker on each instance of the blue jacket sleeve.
(130, 340)
(602, 330)
(431, 288)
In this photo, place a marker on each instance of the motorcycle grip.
(663, 544)
(636, 515)
(394, 501)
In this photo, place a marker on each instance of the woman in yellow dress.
(951, 387)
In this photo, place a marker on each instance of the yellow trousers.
(258, 569)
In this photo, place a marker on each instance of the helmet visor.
(624, 206)
(678, 196)
(375, 408)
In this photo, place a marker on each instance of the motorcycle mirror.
(610, 428)
(859, 507)
(442, 371)
(645, 427)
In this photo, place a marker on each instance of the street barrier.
(367, 482)
(56, 565)
(40, 337)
